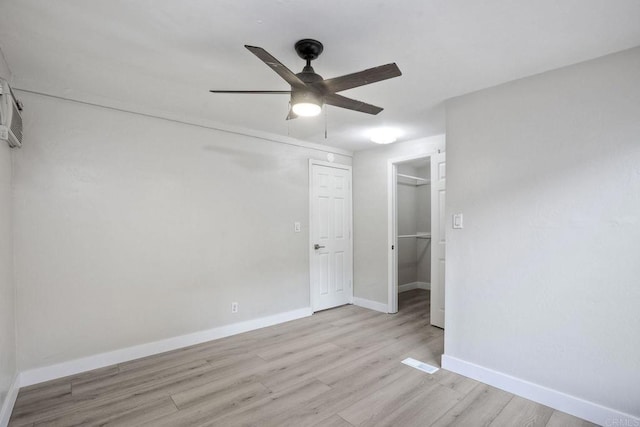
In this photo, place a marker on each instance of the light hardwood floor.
(337, 368)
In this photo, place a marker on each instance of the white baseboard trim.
(371, 305)
(555, 399)
(38, 375)
(414, 285)
(9, 401)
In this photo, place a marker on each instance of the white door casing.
(438, 235)
(330, 225)
(392, 306)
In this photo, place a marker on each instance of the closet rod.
(419, 236)
(412, 177)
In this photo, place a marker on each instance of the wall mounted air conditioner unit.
(10, 118)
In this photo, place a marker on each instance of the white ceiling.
(162, 56)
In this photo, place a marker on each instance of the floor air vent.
(420, 365)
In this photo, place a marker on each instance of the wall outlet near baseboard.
(234, 307)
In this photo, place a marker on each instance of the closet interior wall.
(414, 217)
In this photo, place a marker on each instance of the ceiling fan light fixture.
(306, 104)
(306, 109)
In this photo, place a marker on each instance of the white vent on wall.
(10, 118)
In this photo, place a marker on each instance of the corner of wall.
(5, 70)
(7, 406)
(9, 327)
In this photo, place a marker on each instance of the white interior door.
(438, 222)
(330, 232)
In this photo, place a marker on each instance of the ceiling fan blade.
(252, 91)
(350, 104)
(360, 78)
(277, 66)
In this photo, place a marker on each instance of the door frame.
(392, 226)
(348, 168)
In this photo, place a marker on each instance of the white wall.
(130, 229)
(7, 290)
(370, 220)
(543, 282)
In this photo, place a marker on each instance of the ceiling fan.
(309, 91)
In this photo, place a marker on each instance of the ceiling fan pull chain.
(325, 123)
(289, 121)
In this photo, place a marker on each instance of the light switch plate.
(296, 227)
(457, 221)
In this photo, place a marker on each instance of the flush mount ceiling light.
(384, 135)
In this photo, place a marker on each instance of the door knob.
(317, 246)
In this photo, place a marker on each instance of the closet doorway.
(416, 229)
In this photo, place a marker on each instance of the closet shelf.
(419, 236)
(421, 181)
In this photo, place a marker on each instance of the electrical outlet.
(234, 307)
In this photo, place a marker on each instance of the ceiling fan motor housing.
(308, 75)
(309, 49)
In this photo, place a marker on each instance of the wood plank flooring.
(340, 368)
